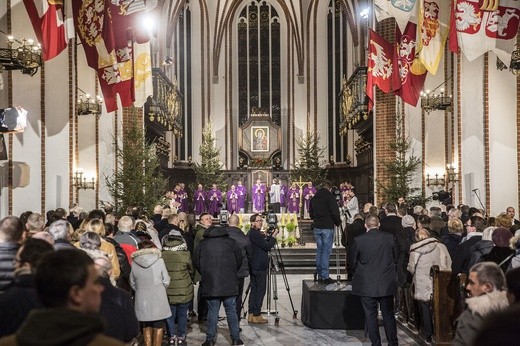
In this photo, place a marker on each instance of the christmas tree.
(208, 171)
(138, 181)
(308, 166)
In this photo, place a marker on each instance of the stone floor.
(290, 331)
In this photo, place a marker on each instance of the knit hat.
(407, 221)
(501, 237)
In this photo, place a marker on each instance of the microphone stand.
(480, 201)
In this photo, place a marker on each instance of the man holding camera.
(324, 212)
(258, 266)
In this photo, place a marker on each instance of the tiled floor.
(290, 331)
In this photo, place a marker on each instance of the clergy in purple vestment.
(232, 200)
(258, 195)
(308, 193)
(214, 200)
(283, 197)
(199, 200)
(293, 199)
(242, 194)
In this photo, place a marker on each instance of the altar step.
(303, 261)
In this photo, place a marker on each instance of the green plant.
(308, 167)
(247, 227)
(209, 170)
(290, 227)
(402, 169)
(137, 181)
(291, 240)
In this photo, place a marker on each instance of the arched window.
(337, 67)
(259, 84)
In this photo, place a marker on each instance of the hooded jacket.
(479, 251)
(60, 326)
(149, 278)
(218, 259)
(469, 322)
(423, 255)
(180, 268)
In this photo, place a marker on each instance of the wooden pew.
(447, 303)
(443, 304)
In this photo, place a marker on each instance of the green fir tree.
(209, 170)
(138, 180)
(308, 166)
(402, 169)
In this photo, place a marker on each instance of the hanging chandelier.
(22, 55)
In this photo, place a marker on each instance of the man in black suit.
(373, 259)
(391, 223)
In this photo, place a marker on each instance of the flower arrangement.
(260, 161)
(291, 241)
(290, 227)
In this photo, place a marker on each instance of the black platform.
(326, 307)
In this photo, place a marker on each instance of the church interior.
(365, 89)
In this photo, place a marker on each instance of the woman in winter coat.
(482, 247)
(180, 291)
(427, 252)
(149, 278)
(501, 253)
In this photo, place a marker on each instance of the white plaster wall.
(472, 131)
(57, 132)
(503, 163)
(26, 145)
(196, 76)
(413, 132)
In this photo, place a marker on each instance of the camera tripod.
(276, 266)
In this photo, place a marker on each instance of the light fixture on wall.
(79, 181)
(21, 54)
(431, 101)
(435, 179)
(451, 175)
(515, 61)
(88, 105)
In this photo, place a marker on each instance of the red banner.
(47, 20)
(108, 33)
(410, 83)
(380, 65)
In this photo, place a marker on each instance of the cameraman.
(324, 212)
(261, 245)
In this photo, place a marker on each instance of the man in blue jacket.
(324, 212)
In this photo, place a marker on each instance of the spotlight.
(168, 60)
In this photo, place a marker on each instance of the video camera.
(336, 193)
(442, 196)
(272, 222)
(223, 217)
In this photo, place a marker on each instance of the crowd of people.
(107, 279)
(392, 249)
(134, 275)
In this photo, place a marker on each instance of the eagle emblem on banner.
(382, 65)
(404, 5)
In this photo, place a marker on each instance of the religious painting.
(259, 139)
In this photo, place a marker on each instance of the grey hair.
(35, 223)
(490, 273)
(90, 240)
(101, 260)
(59, 229)
(125, 224)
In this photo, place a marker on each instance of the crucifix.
(301, 184)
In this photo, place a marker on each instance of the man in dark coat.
(218, 259)
(243, 241)
(261, 245)
(11, 231)
(357, 227)
(373, 259)
(460, 263)
(324, 212)
(392, 222)
(21, 298)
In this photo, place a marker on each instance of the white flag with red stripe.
(49, 26)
